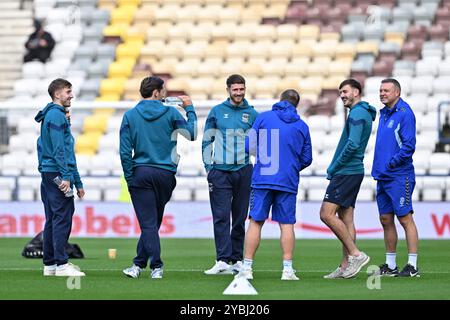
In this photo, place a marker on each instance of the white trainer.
(157, 273)
(289, 274)
(236, 267)
(336, 274)
(220, 267)
(50, 270)
(355, 264)
(246, 273)
(132, 272)
(68, 270)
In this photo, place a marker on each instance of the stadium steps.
(15, 28)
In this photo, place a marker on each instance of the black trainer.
(384, 270)
(409, 271)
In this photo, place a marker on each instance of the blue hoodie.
(55, 145)
(349, 155)
(396, 142)
(280, 129)
(150, 130)
(226, 127)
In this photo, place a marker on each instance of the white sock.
(287, 264)
(390, 260)
(248, 263)
(412, 259)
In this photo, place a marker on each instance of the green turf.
(185, 260)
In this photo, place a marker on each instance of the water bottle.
(173, 101)
(58, 182)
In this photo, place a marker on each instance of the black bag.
(35, 248)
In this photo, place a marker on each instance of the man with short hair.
(148, 142)
(346, 173)
(39, 44)
(229, 173)
(276, 177)
(394, 171)
(56, 156)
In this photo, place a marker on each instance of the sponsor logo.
(391, 124)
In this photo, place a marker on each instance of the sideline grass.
(185, 260)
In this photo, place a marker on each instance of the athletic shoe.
(50, 270)
(68, 270)
(132, 272)
(236, 267)
(409, 271)
(355, 264)
(220, 267)
(157, 273)
(384, 270)
(289, 274)
(336, 274)
(246, 273)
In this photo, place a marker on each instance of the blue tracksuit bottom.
(150, 190)
(59, 211)
(229, 192)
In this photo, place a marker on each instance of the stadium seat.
(182, 194)
(447, 189)
(366, 192)
(28, 187)
(439, 163)
(7, 185)
(316, 189)
(432, 188)
(93, 187)
(422, 84)
(33, 69)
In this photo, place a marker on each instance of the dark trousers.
(58, 220)
(150, 190)
(229, 192)
(41, 55)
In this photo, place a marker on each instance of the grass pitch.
(185, 260)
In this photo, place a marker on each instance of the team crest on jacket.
(391, 124)
(245, 117)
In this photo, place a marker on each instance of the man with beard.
(346, 173)
(229, 174)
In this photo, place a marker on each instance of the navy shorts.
(283, 205)
(343, 190)
(394, 196)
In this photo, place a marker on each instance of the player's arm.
(56, 124)
(187, 129)
(306, 154)
(209, 135)
(356, 127)
(405, 135)
(251, 139)
(126, 148)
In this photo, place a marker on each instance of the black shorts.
(343, 190)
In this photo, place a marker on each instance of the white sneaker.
(336, 274)
(132, 272)
(50, 270)
(355, 264)
(157, 273)
(236, 267)
(68, 270)
(220, 267)
(289, 274)
(246, 273)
